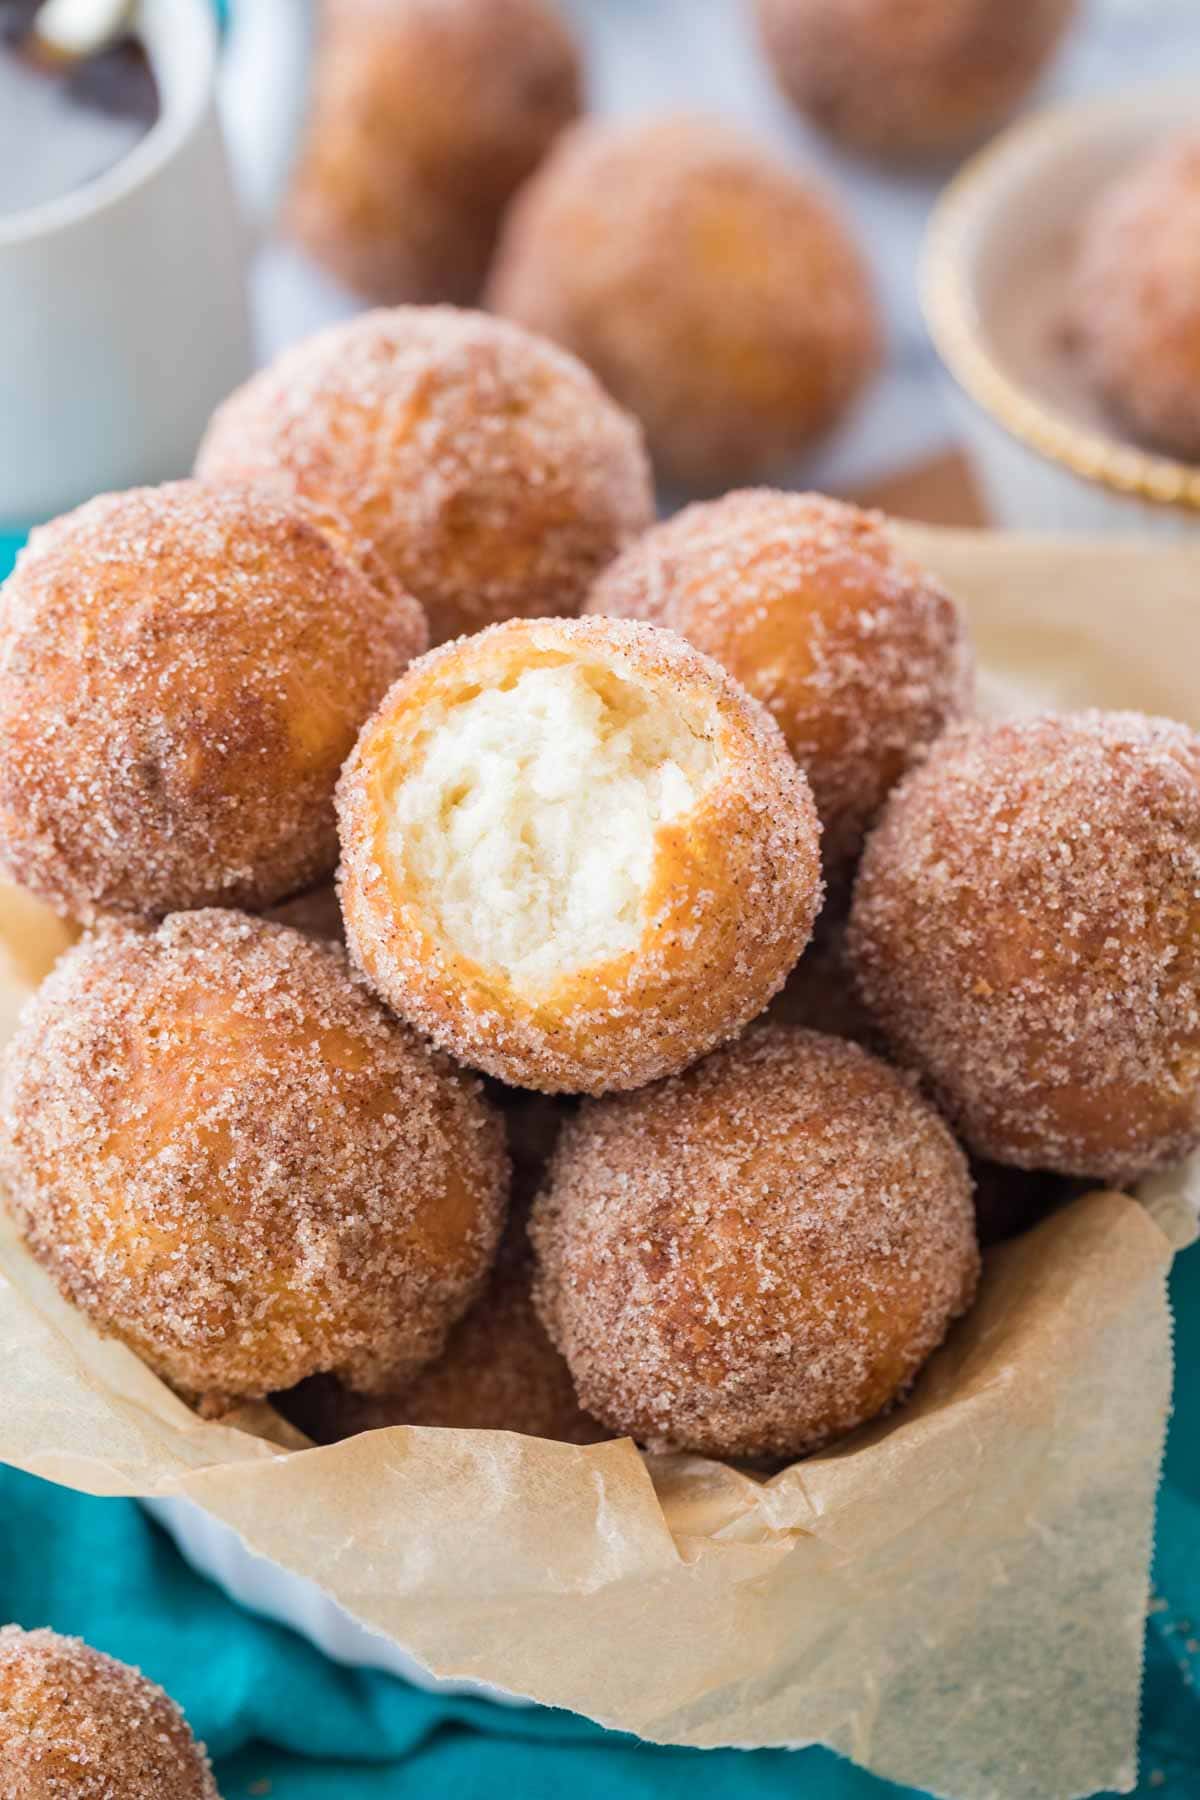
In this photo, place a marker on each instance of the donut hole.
(528, 824)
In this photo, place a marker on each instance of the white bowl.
(996, 266)
(214, 1549)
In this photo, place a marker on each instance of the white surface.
(216, 1551)
(646, 55)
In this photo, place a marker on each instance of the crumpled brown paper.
(954, 1596)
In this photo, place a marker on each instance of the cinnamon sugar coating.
(714, 292)
(493, 475)
(732, 888)
(183, 671)
(77, 1725)
(425, 116)
(231, 1157)
(910, 78)
(1135, 304)
(756, 1256)
(820, 994)
(1026, 930)
(498, 1372)
(860, 656)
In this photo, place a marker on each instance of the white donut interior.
(528, 826)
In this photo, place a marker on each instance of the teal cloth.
(272, 1709)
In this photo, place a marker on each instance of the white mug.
(123, 305)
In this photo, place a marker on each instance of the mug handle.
(262, 92)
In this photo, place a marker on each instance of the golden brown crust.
(904, 79)
(756, 1256)
(491, 472)
(734, 890)
(1136, 298)
(183, 671)
(426, 115)
(860, 656)
(498, 1372)
(77, 1725)
(820, 995)
(230, 1156)
(1026, 930)
(712, 290)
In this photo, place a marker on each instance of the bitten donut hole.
(528, 825)
(575, 853)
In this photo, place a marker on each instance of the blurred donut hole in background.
(863, 106)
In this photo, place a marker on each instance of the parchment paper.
(954, 1596)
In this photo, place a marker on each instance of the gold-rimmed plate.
(995, 281)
